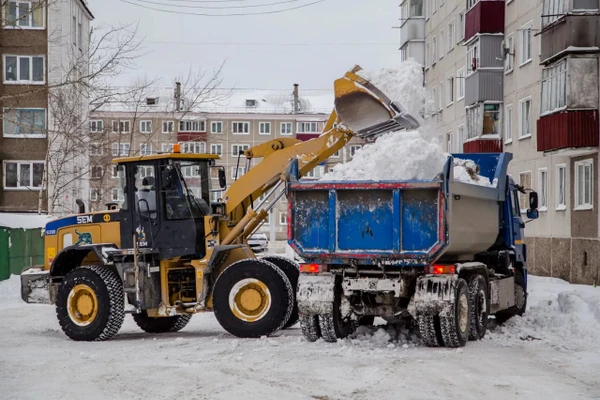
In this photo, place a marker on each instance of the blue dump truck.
(444, 254)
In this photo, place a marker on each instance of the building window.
(416, 8)
(121, 126)
(525, 119)
(584, 185)
(471, 3)
(525, 54)
(24, 123)
(460, 83)
(95, 194)
(509, 124)
(433, 6)
(74, 31)
(561, 187)
(427, 55)
(24, 14)
(120, 149)
(554, 9)
(525, 181)
(354, 149)
(237, 172)
(449, 148)
(24, 69)
(442, 43)
(441, 95)
(451, 36)
(554, 88)
(192, 126)
(96, 149)
(96, 126)
(216, 127)
(240, 128)
(316, 172)
(167, 147)
(239, 149)
(146, 126)
(336, 154)
(117, 195)
(460, 131)
(483, 119)
(193, 147)
(434, 50)
(285, 128)
(283, 218)
(168, 126)
(461, 26)
(145, 149)
(23, 175)
(96, 172)
(308, 127)
(543, 189)
(404, 53)
(216, 149)
(509, 58)
(264, 128)
(449, 91)
(473, 58)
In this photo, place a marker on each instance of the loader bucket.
(367, 111)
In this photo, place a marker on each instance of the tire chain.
(290, 291)
(427, 330)
(116, 295)
(310, 327)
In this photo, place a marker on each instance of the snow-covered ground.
(551, 353)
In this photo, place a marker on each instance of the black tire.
(454, 322)
(520, 299)
(280, 298)
(334, 326)
(161, 324)
(429, 329)
(478, 307)
(310, 327)
(107, 287)
(291, 269)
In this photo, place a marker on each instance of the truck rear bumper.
(35, 286)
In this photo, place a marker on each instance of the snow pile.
(24, 221)
(399, 334)
(10, 290)
(467, 171)
(561, 314)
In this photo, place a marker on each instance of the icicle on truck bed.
(407, 231)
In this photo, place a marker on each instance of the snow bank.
(389, 335)
(10, 290)
(24, 221)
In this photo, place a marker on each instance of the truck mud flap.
(34, 286)
(434, 293)
(315, 294)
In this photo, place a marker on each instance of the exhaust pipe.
(81, 205)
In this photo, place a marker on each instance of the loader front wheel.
(161, 324)
(291, 269)
(90, 303)
(253, 298)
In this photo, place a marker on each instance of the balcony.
(484, 126)
(569, 129)
(485, 78)
(487, 16)
(483, 145)
(412, 29)
(569, 34)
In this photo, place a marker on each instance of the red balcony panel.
(568, 129)
(306, 136)
(487, 16)
(483, 146)
(191, 136)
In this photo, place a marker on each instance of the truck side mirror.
(533, 214)
(533, 200)
(222, 179)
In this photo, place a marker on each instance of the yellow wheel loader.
(167, 251)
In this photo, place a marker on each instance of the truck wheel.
(253, 298)
(291, 269)
(430, 331)
(161, 324)
(454, 321)
(520, 299)
(310, 327)
(338, 324)
(478, 307)
(90, 303)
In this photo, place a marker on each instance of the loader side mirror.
(222, 179)
(533, 200)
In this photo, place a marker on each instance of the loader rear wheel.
(339, 323)
(310, 327)
(478, 307)
(454, 320)
(90, 303)
(291, 269)
(161, 324)
(253, 298)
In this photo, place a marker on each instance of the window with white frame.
(449, 141)
(237, 149)
(145, 149)
(525, 54)
(404, 13)
(354, 149)
(471, 3)
(264, 128)
(193, 147)
(473, 57)
(441, 96)
(240, 128)
(561, 187)
(168, 126)
(451, 35)
(24, 123)
(433, 50)
(336, 154)
(117, 172)
(192, 126)
(24, 14)
(461, 26)
(508, 129)
(525, 118)
(120, 149)
(96, 172)
(434, 6)
(146, 126)
(23, 175)
(190, 171)
(24, 69)
(95, 194)
(283, 217)
(460, 133)
(237, 172)
(96, 149)
(216, 127)
(543, 189)
(216, 149)
(117, 195)
(315, 173)
(483, 119)
(554, 87)
(553, 10)
(307, 127)
(460, 84)
(404, 53)
(584, 184)
(416, 8)
(525, 181)
(74, 31)
(427, 9)
(449, 90)
(121, 126)
(427, 55)
(167, 147)
(285, 128)
(509, 59)
(442, 43)
(217, 196)
(434, 97)
(96, 126)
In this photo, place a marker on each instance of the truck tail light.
(310, 268)
(439, 269)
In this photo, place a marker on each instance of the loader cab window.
(186, 189)
(145, 189)
(122, 186)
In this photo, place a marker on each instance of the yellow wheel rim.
(82, 305)
(250, 300)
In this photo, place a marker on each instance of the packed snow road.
(551, 353)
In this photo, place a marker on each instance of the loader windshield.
(186, 190)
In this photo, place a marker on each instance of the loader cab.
(163, 201)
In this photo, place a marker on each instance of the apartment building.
(226, 124)
(39, 42)
(412, 30)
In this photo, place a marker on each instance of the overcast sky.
(311, 46)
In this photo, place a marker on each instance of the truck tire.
(161, 324)
(310, 327)
(90, 303)
(478, 307)
(253, 298)
(336, 326)
(454, 321)
(291, 269)
(520, 299)
(430, 331)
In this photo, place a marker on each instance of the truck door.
(518, 226)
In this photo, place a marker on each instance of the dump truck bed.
(398, 222)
